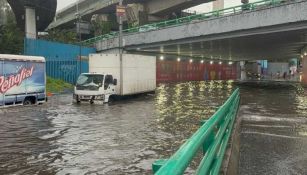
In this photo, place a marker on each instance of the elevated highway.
(157, 8)
(267, 29)
(45, 12)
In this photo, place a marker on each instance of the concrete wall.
(304, 64)
(242, 24)
(274, 68)
(232, 156)
(304, 76)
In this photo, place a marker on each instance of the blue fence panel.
(62, 60)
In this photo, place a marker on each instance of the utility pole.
(120, 37)
(80, 37)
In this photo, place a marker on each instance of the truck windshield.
(89, 82)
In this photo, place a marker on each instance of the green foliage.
(102, 27)
(11, 37)
(103, 24)
(57, 86)
(64, 36)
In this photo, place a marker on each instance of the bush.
(57, 86)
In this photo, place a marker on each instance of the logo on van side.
(15, 80)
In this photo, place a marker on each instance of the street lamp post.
(80, 46)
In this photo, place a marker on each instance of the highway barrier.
(212, 137)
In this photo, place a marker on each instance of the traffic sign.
(120, 10)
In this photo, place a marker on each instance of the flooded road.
(124, 137)
(274, 131)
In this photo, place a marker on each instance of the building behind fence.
(62, 60)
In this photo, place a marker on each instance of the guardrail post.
(158, 164)
(252, 6)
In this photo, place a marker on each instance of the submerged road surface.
(274, 131)
(124, 137)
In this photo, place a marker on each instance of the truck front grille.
(87, 88)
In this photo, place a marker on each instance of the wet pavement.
(124, 137)
(274, 131)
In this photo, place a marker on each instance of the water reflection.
(180, 108)
(124, 137)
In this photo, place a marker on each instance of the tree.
(102, 24)
(11, 37)
(64, 36)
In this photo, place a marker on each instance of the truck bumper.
(88, 98)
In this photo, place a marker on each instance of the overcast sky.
(200, 8)
(64, 3)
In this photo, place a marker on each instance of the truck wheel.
(111, 99)
(77, 99)
(28, 101)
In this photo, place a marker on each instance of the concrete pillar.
(218, 4)
(304, 64)
(30, 23)
(136, 14)
(243, 70)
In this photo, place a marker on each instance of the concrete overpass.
(263, 31)
(153, 8)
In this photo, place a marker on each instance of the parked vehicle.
(22, 80)
(104, 81)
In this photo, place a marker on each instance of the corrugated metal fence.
(62, 60)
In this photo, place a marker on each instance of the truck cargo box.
(139, 71)
(22, 80)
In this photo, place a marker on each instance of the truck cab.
(94, 87)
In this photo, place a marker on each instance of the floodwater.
(274, 131)
(124, 137)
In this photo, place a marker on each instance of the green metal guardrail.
(212, 137)
(188, 19)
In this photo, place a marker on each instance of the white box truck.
(104, 79)
(22, 80)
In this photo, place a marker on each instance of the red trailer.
(174, 71)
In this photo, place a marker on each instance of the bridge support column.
(304, 63)
(243, 70)
(218, 5)
(136, 14)
(30, 20)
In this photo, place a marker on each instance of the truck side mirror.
(115, 82)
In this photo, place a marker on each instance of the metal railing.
(212, 137)
(188, 19)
